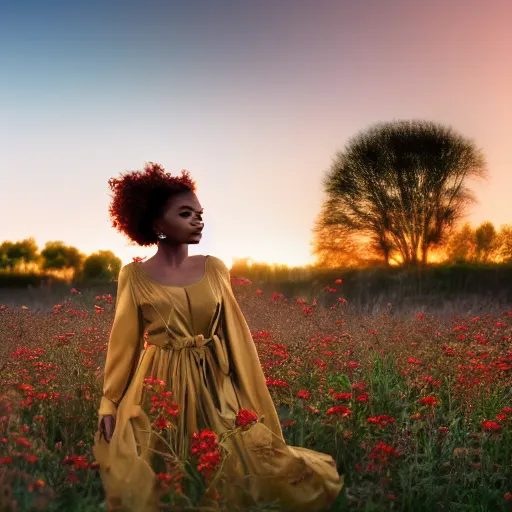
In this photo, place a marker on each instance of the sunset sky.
(253, 98)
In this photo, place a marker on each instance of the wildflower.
(245, 418)
(162, 423)
(382, 420)
(428, 400)
(303, 394)
(77, 461)
(166, 479)
(342, 396)
(490, 426)
(209, 461)
(277, 382)
(23, 442)
(339, 410)
(203, 442)
(383, 453)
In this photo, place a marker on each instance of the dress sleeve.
(247, 373)
(124, 345)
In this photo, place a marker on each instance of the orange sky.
(253, 98)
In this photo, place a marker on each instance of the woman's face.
(182, 220)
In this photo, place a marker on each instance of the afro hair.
(140, 198)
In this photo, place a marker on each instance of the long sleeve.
(124, 346)
(248, 375)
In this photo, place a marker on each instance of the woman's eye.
(200, 217)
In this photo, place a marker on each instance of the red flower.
(428, 400)
(23, 442)
(342, 396)
(245, 418)
(203, 442)
(382, 453)
(490, 426)
(209, 462)
(277, 382)
(339, 410)
(382, 420)
(303, 394)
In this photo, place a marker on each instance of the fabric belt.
(170, 342)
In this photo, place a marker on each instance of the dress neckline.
(138, 265)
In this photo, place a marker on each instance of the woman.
(200, 345)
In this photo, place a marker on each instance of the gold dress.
(199, 344)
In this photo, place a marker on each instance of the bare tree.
(402, 184)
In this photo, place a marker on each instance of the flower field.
(416, 409)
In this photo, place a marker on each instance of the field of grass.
(415, 407)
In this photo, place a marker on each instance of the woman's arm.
(124, 345)
(244, 363)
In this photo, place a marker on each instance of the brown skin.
(171, 265)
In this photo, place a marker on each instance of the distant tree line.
(56, 259)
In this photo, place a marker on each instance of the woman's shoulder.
(129, 267)
(216, 262)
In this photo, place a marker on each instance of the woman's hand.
(107, 426)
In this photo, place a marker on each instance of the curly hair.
(140, 197)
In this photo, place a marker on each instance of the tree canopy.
(402, 184)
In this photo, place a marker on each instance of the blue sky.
(253, 98)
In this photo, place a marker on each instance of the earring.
(161, 236)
